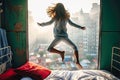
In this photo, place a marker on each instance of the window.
(85, 13)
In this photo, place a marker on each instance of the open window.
(83, 12)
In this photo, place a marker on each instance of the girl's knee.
(75, 49)
(49, 49)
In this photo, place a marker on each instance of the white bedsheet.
(81, 75)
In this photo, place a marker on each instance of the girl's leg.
(76, 55)
(53, 50)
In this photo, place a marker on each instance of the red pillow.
(33, 70)
(7, 75)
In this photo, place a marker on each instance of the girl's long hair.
(58, 11)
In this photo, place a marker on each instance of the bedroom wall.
(110, 31)
(14, 20)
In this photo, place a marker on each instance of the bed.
(81, 75)
(32, 71)
(46, 74)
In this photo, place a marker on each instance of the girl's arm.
(46, 23)
(75, 25)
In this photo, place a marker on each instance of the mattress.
(81, 75)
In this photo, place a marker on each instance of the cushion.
(7, 75)
(33, 70)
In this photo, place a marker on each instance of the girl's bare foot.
(62, 55)
(79, 66)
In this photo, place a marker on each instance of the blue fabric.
(4, 42)
(6, 52)
(0, 39)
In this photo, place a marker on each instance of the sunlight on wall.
(84, 13)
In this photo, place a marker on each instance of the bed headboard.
(115, 61)
(5, 52)
(5, 58)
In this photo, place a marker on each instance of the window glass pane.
(83, 12)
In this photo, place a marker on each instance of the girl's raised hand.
(83, 28)
(39, 24)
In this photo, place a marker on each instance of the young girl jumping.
(61, 16)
